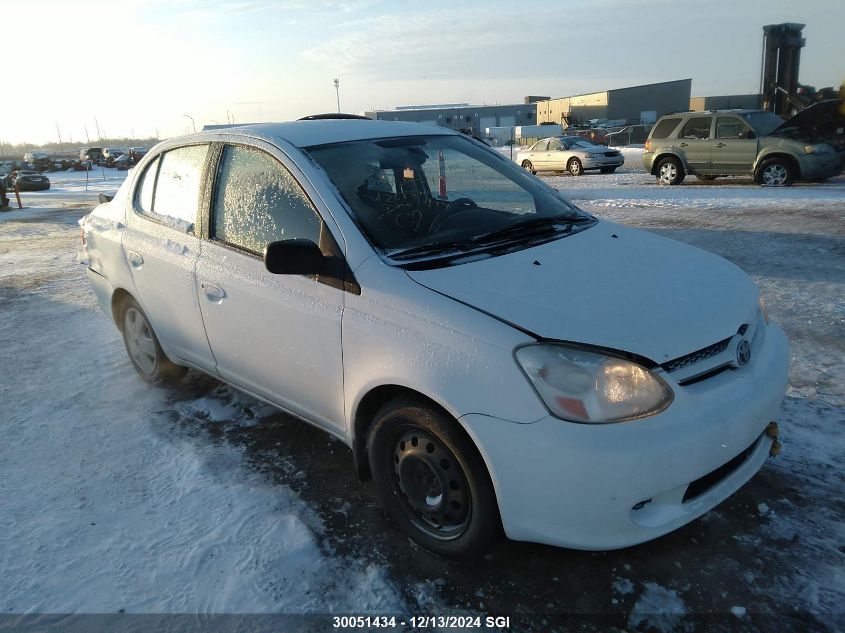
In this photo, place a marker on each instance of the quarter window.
(258, 201)
(665, 127)
(146, 188)
(697, 128)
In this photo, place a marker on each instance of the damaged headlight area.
(818, 148)
(590, 387)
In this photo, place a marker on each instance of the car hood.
(812, 116)
(608, 286)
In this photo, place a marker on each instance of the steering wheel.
(456, 206)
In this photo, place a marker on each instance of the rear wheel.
(670, 171)
(142, 345)
(775, 172)
(526, 164)
(432, 480)
(574, 167)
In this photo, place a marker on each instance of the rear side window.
(697, 128)
(665, 127)
(169, 189)
(554, 145)
(541, 146)
(258, 201)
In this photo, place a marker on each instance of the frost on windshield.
(258, 201)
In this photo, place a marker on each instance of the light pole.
(194, 125)
(230, 118)
(337, 91)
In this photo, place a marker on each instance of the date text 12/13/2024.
(490, 622)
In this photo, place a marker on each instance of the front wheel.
(775, 172)
(432, 480)
(574, 167)
(670, 172)
(142, 345)
(526, 164)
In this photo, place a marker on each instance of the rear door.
(694, 143)
(277, 336)
(162, 246)
(734, 148)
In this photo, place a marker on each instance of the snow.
(108, 502)
(738, 611)
(658, 607)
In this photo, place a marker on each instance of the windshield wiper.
(529, 227)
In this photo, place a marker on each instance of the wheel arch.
(793, 163)
(364, 416)
(118, 297)
(666, 154)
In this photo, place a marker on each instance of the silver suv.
(738, 143)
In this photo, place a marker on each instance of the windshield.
(578, 143)
(440, 190)
(763, 122)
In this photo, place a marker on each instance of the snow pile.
(658, 607)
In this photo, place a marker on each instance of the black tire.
(152, 366)
(775, 172)
(575, 167)
(706, 178)
(526, 164)
(608, 170)
(670, 171)
(432, 480)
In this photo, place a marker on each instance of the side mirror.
(103, 198)
(293, 257)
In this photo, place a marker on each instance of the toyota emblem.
(743, 352)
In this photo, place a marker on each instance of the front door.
(277, 336)
(162, 247)
(694, 143)
(734, 148)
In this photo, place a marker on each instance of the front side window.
(258, 201)
(731, 127)
(697, 128)
(441, 191)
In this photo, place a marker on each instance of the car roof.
(325, 131)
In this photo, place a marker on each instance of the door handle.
(683, 144)
(135, 259)
(213, 293)
(720, 144)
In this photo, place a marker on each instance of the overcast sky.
(139, 66)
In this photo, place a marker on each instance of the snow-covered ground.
(119, 496)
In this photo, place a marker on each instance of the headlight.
(584, 386)
(820, 148)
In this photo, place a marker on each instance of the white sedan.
(497, 360)
(569, 153)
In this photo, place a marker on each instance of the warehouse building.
(461, 116)
(636, 104)
(726, 102)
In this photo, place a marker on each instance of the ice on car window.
(178, 183)
(258, 201)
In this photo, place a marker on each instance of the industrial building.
(726, 102)
(461, 116)
(636, 104)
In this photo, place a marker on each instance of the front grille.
(695, 357)
(611, 153)
(703, 484)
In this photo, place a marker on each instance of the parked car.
(38, 161)
(738, 143)
(123, 162)
(110, 154)
(495, 358)
(28, 180)
(92, 154)
(569, 153)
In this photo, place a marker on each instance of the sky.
(138, 67)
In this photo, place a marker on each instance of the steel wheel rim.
(430, 484)
(668, 172)
(139, 340)
(775, 175)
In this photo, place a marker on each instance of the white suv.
(496, 358)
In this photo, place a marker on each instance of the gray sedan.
(569, 153)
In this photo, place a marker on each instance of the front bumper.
(815, 166)
(576, 485)
(602, 161)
